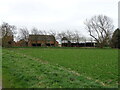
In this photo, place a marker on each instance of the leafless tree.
(53, 33)
(69, 35)
(100, 28)
(76, 36)
(7, 30)
(41, 32)
(35, 31)
(45, 32)
(24, 34)
(60, 35)
(72, 36)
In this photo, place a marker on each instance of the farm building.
(67, 43)
(42, 40)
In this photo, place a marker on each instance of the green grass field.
(60, 68)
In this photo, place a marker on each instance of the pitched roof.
(41, 37)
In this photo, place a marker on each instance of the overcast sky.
(57, 15)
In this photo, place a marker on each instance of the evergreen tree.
(116, 39)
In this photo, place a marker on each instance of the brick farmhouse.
(42, 40)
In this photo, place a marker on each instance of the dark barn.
(67, 43)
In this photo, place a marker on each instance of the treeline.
(70, 35)
(23, 33)
(100, 28)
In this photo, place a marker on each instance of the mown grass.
(97, 67)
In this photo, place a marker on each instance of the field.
(60, 68)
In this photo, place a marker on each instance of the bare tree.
(24, 34)
(7, 30)
(45, 32)
(69, 35)
(100, 28)
(53, 33)
(60, 35)
(76, 36)
(41, 32)
(35, 31)
(8, 34)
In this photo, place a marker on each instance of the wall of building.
(41, 43)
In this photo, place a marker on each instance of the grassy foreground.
(60, 68)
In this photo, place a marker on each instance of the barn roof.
(41, 37)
